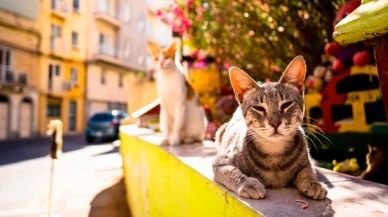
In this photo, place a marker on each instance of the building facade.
(68, 59)
(118, 58)
(62, 63)
(142, 25)
(19, 68)
(107, 86)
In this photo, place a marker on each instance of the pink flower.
(189, 3)
(194, 54)
(201, 56)
(198, 18)
(186, 23)
(159, 13)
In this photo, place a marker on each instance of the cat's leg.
(164, 125)
(231, 177)
(307, 184)
(179, 118)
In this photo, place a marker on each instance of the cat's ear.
(171, 50)
(370, 148)
(154, 48)
(241, 82)
(295, 73)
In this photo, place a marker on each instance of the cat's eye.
(285, 105)
(259, 108)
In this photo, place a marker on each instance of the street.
(87, 179)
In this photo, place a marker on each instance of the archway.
(26, 117)
(4, 116)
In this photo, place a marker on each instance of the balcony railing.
(10, 79)
(108, 17)
(108, 54)
(60, 8)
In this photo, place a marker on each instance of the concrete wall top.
(347, 195)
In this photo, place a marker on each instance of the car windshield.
(102, 117)
(120, 114)
(124, 115)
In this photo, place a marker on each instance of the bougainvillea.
(260, 36)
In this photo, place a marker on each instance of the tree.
(260, 36)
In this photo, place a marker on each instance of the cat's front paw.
(251, 188)
(174, 140)
(164, 142)
(313, 189)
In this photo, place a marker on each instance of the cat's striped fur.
(263, 145)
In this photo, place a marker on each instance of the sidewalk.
(87, 183)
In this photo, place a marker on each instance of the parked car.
(104, 125)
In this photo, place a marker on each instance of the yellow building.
(19, 67)
(62, 63)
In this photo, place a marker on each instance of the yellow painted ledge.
(368, 21)
(178, 182)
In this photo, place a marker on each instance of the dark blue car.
(104, 125)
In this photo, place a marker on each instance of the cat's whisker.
(315, 126)
(315, 137)
(305, 136)
(319, 133)
(311, 118)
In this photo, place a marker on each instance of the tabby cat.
(263, 145)
(377, 165)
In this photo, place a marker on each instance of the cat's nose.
(275, 124)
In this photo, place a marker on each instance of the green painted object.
(368, 21)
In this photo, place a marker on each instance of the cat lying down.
(264, 145)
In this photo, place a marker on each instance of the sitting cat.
(182, 117)
(264, 145)
(377, 165)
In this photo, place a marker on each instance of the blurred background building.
(68, 59)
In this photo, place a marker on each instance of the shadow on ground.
(110, 202)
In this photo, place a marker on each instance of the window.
(140, 56)
(148, 29)
(76, 5)
(127, 49)
(5, 61)
(56, 30)
(121, 80)
(140, 25)
(74, 39)
(57, 70)
(103, 6)
(103, 76)
(149, 61)
(127, 13)
(53, 110)
(54, 71)
(74, 75)
(105, 45)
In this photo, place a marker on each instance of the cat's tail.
(220, 132)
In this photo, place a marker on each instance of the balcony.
(10, 80)
(108, 54)
(58, 87)
(57, 46)
(107, 17)
(60, 8)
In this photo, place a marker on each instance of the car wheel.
(89, 139)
